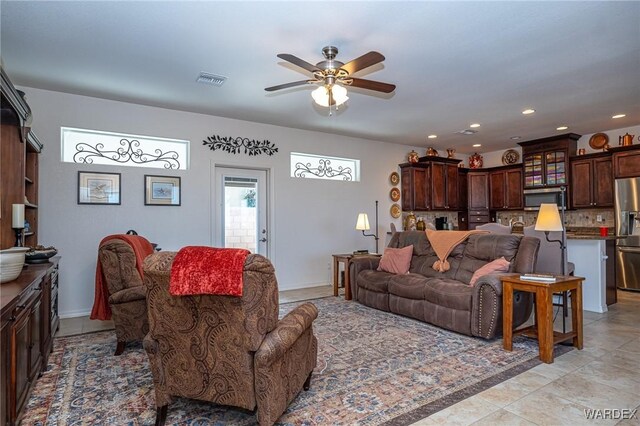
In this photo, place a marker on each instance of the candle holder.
(18, 232)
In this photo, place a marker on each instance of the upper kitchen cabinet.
(626, 161)
(431, 184)
(592, 177)
(546, 161)
(505, 188)
(415, 187)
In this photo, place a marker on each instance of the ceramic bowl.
(11, 263)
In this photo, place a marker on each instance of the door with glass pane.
(241, 209)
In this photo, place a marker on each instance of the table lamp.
(362, 224)
(18, 222)
(549, 221)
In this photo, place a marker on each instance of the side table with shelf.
(543, 326)
(345, 259)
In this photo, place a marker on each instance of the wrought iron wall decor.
(129, 152)
(235, 145)
(323, 169)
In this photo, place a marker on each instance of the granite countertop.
(572, 236)
(588, 233)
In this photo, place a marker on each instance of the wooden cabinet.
(592, 184)
(505, 188)
(19, 149)
(415, 187)
(626, 161)
(27, 335)
(478, 189)
(546, 161)
(431, 184)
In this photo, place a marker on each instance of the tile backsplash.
(581, 218)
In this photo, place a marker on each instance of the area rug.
(374, 368)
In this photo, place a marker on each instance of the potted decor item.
(475, 161)
(251, 198)
(410, 222)
(413, 157)
(431, 152)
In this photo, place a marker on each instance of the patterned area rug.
(373, 368)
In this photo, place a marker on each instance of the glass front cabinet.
(546, 161)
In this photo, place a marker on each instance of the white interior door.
(241, 209)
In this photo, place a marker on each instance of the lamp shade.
(548, 218)
(363, 222)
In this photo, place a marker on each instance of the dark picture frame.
(161, 190)
(99, 188)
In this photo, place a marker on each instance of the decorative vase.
(450, 152)
(410, 222)
(413, 157)
(431, 152)
(475, 161)
(420, 225)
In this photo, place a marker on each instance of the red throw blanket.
(207, 270)
(141, 248)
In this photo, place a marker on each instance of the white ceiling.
(454, 63)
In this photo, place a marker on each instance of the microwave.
(534, 197)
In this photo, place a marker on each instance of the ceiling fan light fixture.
(321, 95)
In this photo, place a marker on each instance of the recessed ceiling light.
(562, 128)
(474, 125)
(528, 111)
(476, 145)
(432, 136)
(619, 115)
(515, 138)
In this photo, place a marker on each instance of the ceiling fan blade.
(364, 61)
(372, 85)
(299, 62)
(287, 85)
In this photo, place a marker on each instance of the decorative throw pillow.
(396, 260)
(498, 265)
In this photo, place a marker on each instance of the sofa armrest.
(357, 265)
(127, 295)
(286, 333)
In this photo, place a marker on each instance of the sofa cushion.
(449, 293)
(410, 286)
(396, 260)
(498, 265)
(376, 281)
(417, 239)
(423, 265)
(484, 248)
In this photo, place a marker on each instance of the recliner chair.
(227, 350)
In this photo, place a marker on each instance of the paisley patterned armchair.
(227, 350)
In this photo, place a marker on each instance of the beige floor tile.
(548, 370)
(70, 326)
(513, 389)
(464, 412)
(546, 408)
(623, 359)
(619, 378)
(288, 296)
(502, 417)
(573, 360)
(632, 346)
(592, 394)
(89, 326)
(424, 422)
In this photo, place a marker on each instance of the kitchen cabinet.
(505, 188)
(27, 334)
(626, 161)
(430, 184)
(478, 190)
(592, 181)
(546, 161)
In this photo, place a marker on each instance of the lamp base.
(18, 232)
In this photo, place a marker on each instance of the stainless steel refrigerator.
(627, 211)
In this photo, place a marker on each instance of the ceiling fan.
(332, 76)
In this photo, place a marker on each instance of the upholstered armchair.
(126, 293)
(227, 350)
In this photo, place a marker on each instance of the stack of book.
(547, 278)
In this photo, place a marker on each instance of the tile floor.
(604, 375)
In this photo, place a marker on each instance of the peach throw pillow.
(498, 265)
(396, 260)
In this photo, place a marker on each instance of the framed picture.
(161, 190)
(98, 188)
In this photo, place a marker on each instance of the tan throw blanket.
(443, 242)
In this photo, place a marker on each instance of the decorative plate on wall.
(598, 141)
(510, 156)
(394, 194)
(394, 178)
(395, 211)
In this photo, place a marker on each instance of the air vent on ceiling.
(213, 79)
(467, 132)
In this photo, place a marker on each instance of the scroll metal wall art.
(128, 152)
(235, 145)
(323, 170)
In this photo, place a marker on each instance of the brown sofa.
(227, 350)
(446, 299)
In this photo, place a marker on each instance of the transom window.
(314, 166)
(96, 147)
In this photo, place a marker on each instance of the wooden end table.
(543, 326)
(345, 259)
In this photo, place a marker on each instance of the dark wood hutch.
(28, 304)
